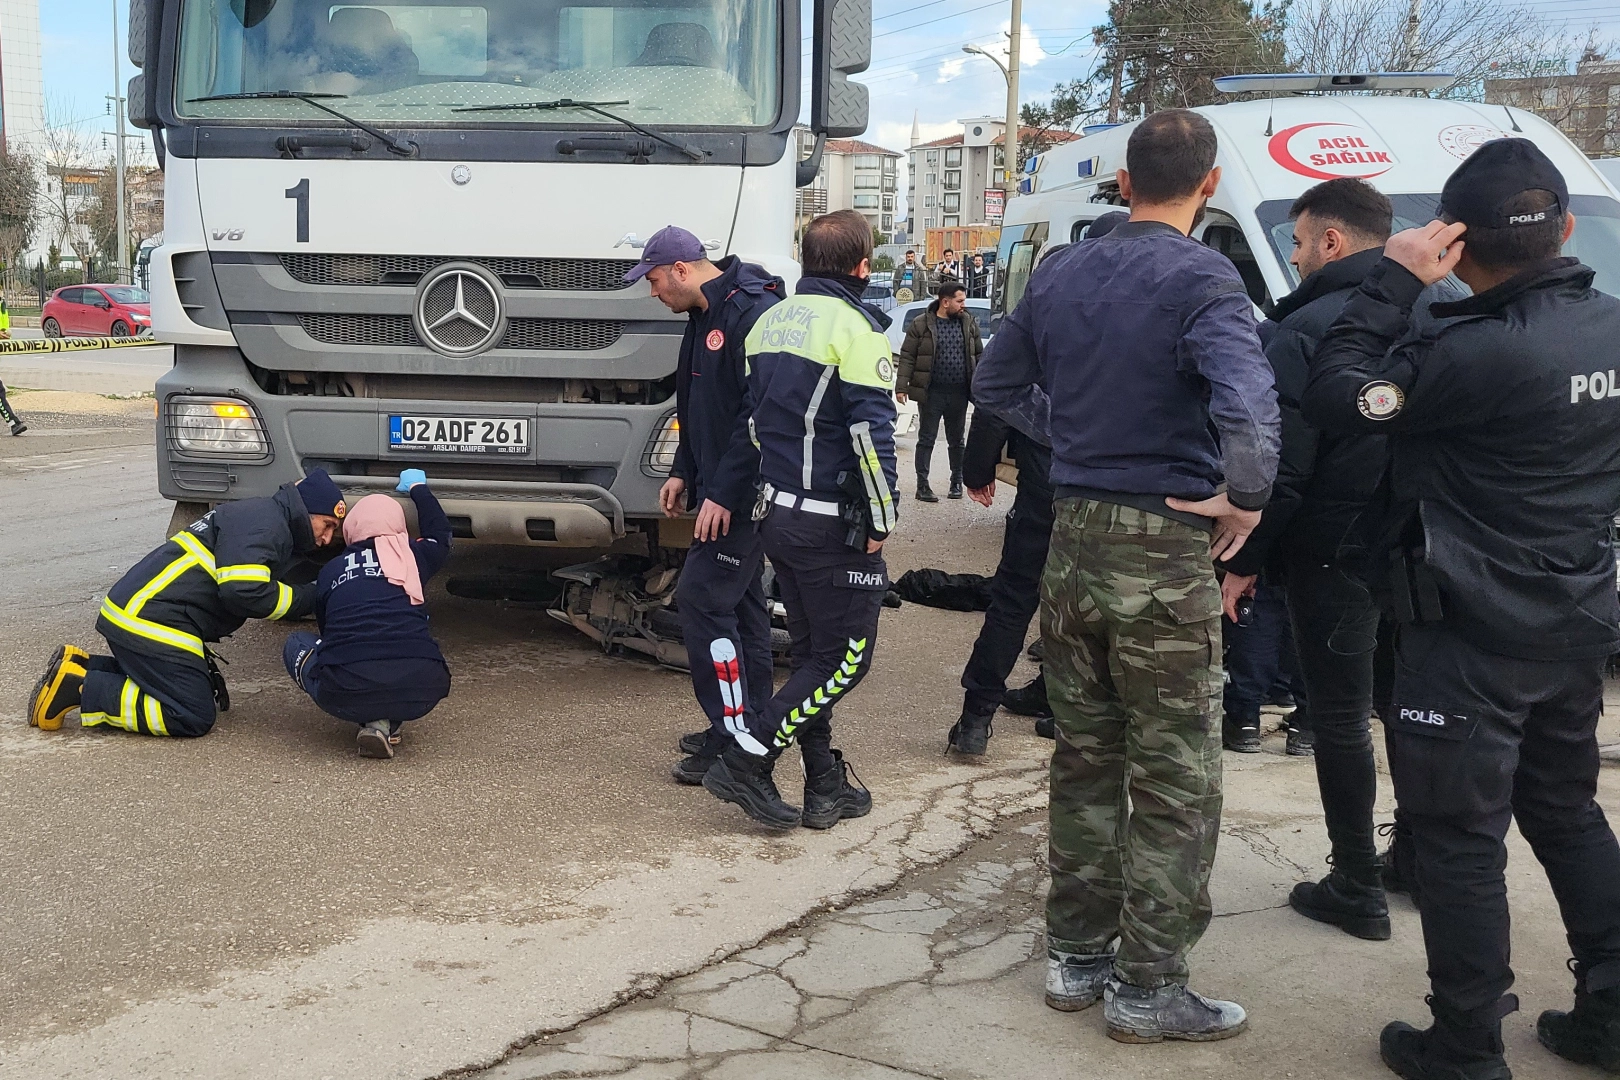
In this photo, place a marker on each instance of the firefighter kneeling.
(200, 586)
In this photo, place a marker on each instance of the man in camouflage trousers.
(1130, 354)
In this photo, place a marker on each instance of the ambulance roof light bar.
(1290, 83)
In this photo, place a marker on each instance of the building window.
(1001, 156)
(933, 157)
(932, 180)
(953, 158)
(888, 202)
(866, 202)
(888, 222)
(929, 200)
(889, 164)
(1001, 178)
(953, 179)
(868, 161)
(953, 202)
(867, 180)
(952, 221)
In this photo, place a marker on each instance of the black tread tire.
(51, 328)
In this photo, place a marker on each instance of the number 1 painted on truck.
(300, 191)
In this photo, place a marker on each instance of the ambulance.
(1309, 128)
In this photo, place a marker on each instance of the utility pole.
(121, 259)
(1009, 138)
(1409, 48)
(1116, 84)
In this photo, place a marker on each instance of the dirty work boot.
(1398, 864)
(831, 796)
(57, 692)
(1450, 1049)
(692, 742)
(1075, 981)
(1029, 699)
(373, 740)
(1301, 743)
(1136, 1014)
(924, 492)
(1241, 735)
(969, 735)
(745, 779)
(1046, 727)
(1353, 903)
(692, 768)
(1589, 1034)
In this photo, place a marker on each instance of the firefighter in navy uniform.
(200, 586)
(1489, 546)
(721, 596)
(821, 378)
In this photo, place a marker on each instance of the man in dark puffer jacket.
(1324, 481)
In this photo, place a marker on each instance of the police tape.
(49, 345)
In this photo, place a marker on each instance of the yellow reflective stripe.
(162, 581)
(244, 572)
(150, 630)
(197, 549)
(128, 707)
(154, 716)
(283, 602)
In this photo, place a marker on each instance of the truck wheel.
(185, 513)
(120, 329)
(51, 327)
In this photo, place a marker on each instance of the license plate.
(459, 434)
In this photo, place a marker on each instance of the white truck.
(1272, 149)
(395, 235)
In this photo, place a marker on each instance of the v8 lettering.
(1599, 384)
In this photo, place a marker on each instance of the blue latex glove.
(410, 478)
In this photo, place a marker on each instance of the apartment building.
(22, 94)
(1584, 105)
(962, 179)
(854, 175)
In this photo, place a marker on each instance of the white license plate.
(459, 434)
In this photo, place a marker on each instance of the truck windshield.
(678, 63)
(1596, 241)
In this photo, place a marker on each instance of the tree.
(19, 203)
(1071, 104)
(1162, 54)
(69, 184)
(1472, 39)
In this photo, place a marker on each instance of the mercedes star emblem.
(459, 311)
(461, 175)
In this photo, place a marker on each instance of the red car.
(97, 311)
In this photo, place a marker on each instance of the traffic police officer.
(200, 586)
(1490, 547)
(725, 621)
(821, 377)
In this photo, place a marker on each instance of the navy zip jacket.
(1135, 357)
(716, 458)
(821, 383)
(364, 616)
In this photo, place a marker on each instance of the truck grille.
(572, 275)
(396, 330)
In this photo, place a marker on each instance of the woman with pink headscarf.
(375, 662)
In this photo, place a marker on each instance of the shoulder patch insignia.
(716, 340)
(885, 370)
(1380, 400)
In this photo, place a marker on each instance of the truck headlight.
(659, 457)
(222, 426)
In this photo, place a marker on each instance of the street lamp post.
(122, 230)
(1009, 71)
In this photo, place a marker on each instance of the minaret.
(916, 132)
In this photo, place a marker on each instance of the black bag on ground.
(953, 592)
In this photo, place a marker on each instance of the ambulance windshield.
(1596, 241)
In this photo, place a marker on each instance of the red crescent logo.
(715, 340)
(1359, 154)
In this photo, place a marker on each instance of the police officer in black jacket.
(724, 618)
(1491, 548)
(1324, 482)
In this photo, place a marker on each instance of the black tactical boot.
(924, 492)
(745, 779)
(692, 768)
(1028, 700)
(956, 486)
(1451, 1049)
(1589, 1034)
(969, 735)
(18, 427)
(831, 796)
(1046, 727)
(1301, 743)
(1353, 903)
(1398, 864)
(692, 742)
(1241, 734)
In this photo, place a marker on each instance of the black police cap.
(1480, 187)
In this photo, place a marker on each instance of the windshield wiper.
(591, 107)
(404, 148)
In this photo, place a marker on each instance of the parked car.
(880, 295)
(902, 317)
(97, 311)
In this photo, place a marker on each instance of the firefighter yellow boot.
(57, 692)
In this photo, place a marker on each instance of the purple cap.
(671, 244)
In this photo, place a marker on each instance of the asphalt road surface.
(263, 903)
